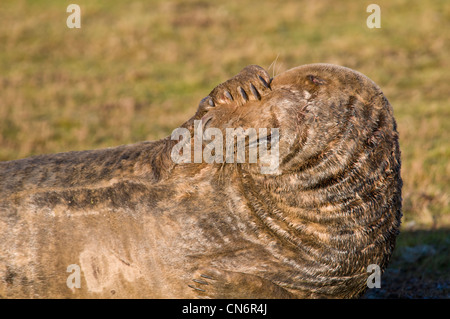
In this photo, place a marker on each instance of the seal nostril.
(316, 80)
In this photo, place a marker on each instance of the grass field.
(136, 70)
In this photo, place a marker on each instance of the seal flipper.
(250, 84)
(221, 284)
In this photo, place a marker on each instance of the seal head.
(335, 200)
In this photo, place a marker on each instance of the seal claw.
(243, 94)
(200, 281)
(196, 288)
(228, 95)
(255, 91)
(264, 82)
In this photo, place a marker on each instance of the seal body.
(129, 222)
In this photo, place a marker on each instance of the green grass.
(136, 70)
(423, 254)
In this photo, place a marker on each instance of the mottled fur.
(140, 225)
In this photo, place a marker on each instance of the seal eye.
(316, 80)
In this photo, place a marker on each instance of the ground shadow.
(419, 268)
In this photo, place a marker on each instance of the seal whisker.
(273, 64)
